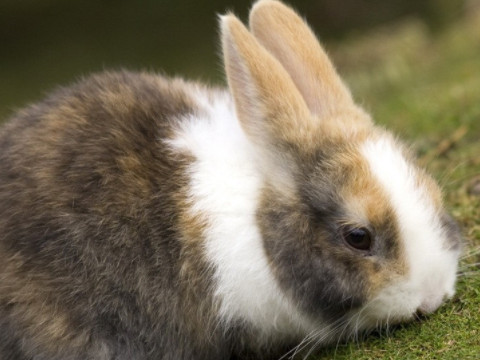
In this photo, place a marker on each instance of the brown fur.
(92, 251)
(282, 32)
(272, 95)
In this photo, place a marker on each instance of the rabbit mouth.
(399, 304)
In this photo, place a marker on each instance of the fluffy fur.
(225, 185)
(151, 218)
(430, 278)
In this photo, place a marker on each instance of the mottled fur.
(150, 218)
(91, 221)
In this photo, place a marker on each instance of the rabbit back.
(90, 226)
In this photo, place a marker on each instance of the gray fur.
(90, 236)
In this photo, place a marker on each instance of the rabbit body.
(90, 226)
(151, 218)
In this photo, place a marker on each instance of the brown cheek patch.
(367, 201)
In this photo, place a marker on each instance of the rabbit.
(146, 217)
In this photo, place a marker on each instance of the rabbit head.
(352, 228)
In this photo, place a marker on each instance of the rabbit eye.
(358, 238)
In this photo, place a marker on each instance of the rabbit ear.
(289, 39)
(268, 104)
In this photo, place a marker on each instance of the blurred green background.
(50, 42)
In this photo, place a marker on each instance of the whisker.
(471, 253)
(307, 339)
(354, 330)
(335, 329)
(464, 266)
(347, 327)
(340, 337)
(459, 180)
(318, 339)
(469, 273)
(387, 324)
(445, 177)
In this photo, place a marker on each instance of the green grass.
(425, 88)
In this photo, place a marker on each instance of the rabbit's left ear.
(269, 106)
(290, 40)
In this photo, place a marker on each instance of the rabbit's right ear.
(269, 106)
(290, 40)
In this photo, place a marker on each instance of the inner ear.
(291, 41)
(269, 106)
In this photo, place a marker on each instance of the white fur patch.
(432, 268)
(225, 185)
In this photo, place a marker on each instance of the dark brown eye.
(358, 238)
